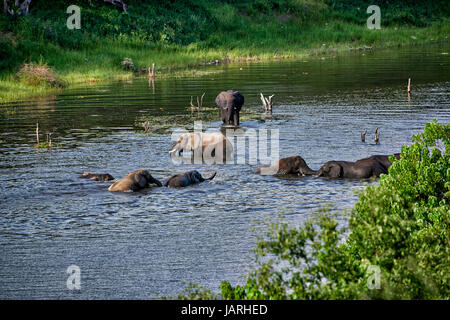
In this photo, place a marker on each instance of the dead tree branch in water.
(267, 103)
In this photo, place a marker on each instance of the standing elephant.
(186, 179)
(291, 165)
(134, 181)
(230, 103)
(361, 169)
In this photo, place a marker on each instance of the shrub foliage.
(396, 246)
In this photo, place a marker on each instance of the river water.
(147, 244)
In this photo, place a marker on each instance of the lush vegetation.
(399, 231)
(188, 33)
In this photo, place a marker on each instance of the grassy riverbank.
(187, 34)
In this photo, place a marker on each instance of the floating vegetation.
(163, 124)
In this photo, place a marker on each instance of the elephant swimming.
(134, 181)
(186, 179)
(97, 176)
(291, 165)
(361, 169)
(230, 103)
(384, 159)
(211, 145)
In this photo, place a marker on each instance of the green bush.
(399, 228)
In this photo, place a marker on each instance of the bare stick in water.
(267, 103)
(37, 132)
(363, 135)
(377, 135)
(151, 73)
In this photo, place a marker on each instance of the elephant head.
(291, 165)
(230, 103)
(144, 179)
(186, 142)
(331, 169)
(134, 181)
(186, 179)
(196, 177)
(301, 167)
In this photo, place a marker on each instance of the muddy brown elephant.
(230, 103)
(291, 165)
(134, 181)
(186, 179)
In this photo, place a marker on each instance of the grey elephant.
(230, 103)
(383, 159)
(134, 181)
(186, 179)
(361, 169)
(291, 165)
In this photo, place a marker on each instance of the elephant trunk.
(212, 177)
(156, 181)
(308, 171)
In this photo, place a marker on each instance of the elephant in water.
(291, 165)
(230, 103)
(384, 159)
(97, 176)
(134, 181)
(210, 145)
(361, 169)
(186, 179)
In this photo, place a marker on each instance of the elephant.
(384, 159)
(186, 179)
(97, 176)
(134, 181)
(208, 144)
(291, 165)
(361, 169)
(230, 103)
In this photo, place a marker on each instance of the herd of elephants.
(215, 143)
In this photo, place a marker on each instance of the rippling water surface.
(144, 245)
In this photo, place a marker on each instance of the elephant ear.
(238, 100)
(335, 170)
(142, 179)
(220, 99)
(195, 141)
(196, 177)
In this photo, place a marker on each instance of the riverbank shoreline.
(181, 61)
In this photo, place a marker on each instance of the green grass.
(182, 35)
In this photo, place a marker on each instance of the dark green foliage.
(400, 226)
(209, 24)
(188, 33)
